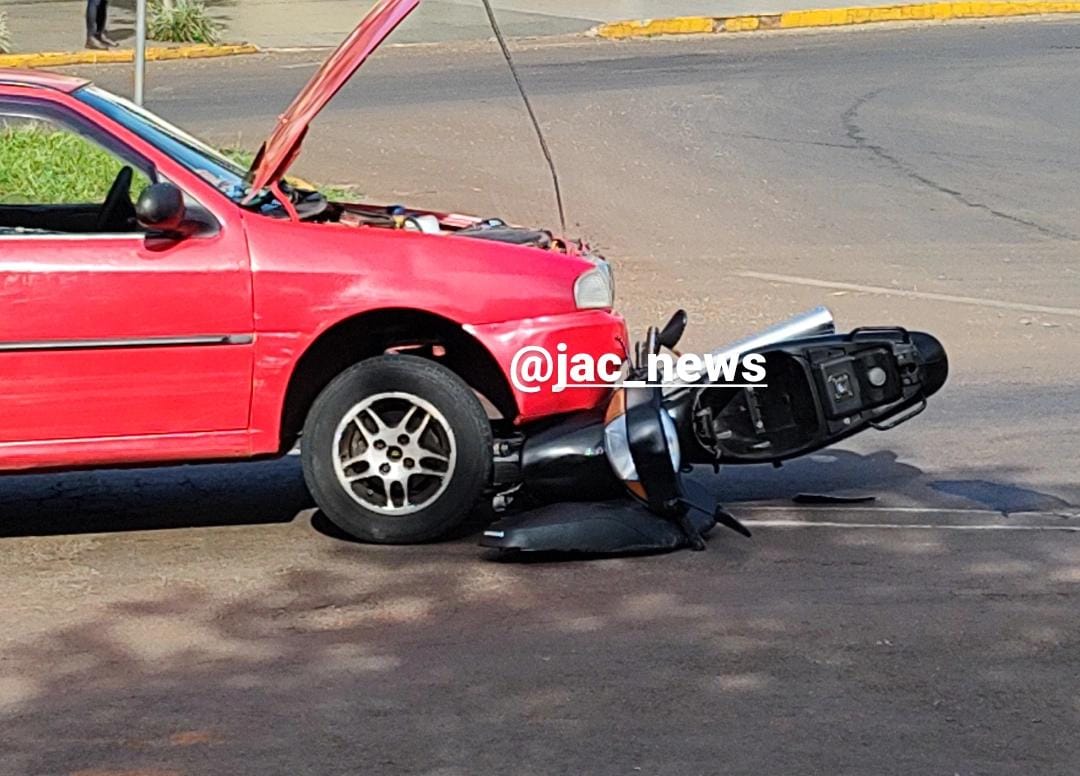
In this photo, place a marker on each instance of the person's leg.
(91, 18)
(93, 13)
(102, 13)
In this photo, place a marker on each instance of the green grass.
(40, 166)
(241, 156)
(182, 21)
(5, 34)
(244, 158)
(43, 166)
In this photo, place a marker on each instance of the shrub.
(5, 35)
(182, 21)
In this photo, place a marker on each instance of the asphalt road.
(202, 620)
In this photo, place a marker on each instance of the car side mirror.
(160, 210)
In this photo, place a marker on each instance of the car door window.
(43, 163)
(56, 175)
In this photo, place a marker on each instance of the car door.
(109, 334)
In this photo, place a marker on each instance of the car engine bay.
(400, 217)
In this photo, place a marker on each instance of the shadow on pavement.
(151, 499)
(829, 471)
(274, 492)
(841, 472)
(1005, 498)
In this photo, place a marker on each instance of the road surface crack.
(858, 136)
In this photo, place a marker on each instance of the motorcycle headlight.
(617, 442)
(595, 288)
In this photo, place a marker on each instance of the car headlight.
(595, 288)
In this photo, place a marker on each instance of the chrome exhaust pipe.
(814, 323)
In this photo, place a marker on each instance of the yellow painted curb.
(829, 17)
(62, 58)
(683, 25)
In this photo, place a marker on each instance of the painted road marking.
(913, 510)
(990, 519)
(854, 516)
(880, 290)
(906, 526)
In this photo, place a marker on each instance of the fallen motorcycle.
(611, 481)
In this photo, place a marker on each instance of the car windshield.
(211, 165)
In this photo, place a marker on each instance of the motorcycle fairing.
(669, 513)
(603, 528)
(568, 458)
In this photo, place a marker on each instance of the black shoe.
(104, 38)
(94, 43)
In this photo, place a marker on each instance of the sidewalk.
(57, 25)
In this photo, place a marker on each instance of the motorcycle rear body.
(820, 390)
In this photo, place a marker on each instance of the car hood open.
(283, 146)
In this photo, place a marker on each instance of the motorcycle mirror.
(673, 331)
(652, 341)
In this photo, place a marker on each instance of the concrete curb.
(62, 58)
(828, 17)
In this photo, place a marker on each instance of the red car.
(229, 312)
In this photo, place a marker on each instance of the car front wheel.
(396, 450)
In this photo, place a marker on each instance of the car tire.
(397, 450)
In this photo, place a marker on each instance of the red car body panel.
(595, 332)
(281, 149)
(271, 286)
(56, 81)
(310, 277)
